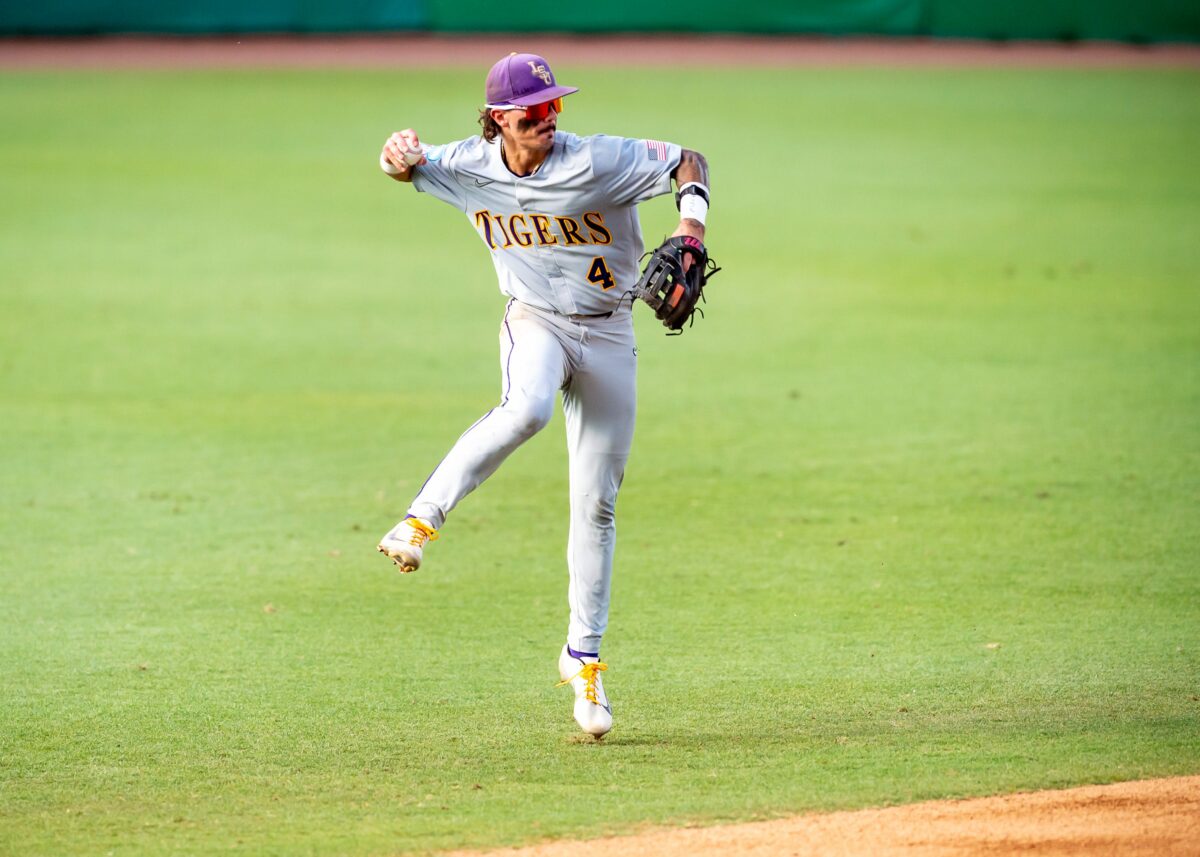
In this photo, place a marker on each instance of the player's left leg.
(533, 365)
(600, 405)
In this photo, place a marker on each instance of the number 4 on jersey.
(600, 275)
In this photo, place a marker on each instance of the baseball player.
(558, 214)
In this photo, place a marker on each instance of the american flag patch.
(656, 151)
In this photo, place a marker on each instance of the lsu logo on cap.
(542, 72)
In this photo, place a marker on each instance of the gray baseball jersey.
(567, 238)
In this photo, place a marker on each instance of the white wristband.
(694, 207)
(387, 166)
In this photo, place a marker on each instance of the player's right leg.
(600, 405)
(533, 365)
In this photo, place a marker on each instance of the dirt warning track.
(1149, 818)
(414, 50)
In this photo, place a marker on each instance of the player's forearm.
(692, 170)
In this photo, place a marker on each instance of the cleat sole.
(401, 565)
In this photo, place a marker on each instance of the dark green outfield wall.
(1126, 20)
(1123, 20)
(208, 16)
(891, 17)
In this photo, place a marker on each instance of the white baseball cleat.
(592, 711)
(405, 542)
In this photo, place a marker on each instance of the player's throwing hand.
(401, 153)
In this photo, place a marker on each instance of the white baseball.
(413, 156)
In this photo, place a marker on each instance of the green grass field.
(935, 450)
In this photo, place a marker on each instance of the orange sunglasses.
(538, 112)
(534, 112)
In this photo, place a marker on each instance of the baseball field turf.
(913, 512)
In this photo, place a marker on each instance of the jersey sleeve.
(633, 170)
(438, 178)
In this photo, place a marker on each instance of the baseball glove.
(672, 294)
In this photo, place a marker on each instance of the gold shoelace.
(589, 675)
(421, 532)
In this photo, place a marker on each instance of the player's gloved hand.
(695, 230)
(670, 285)
(401, 153)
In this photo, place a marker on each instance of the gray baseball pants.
(593, 361)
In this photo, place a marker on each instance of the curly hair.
(490, 129)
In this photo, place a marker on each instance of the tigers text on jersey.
(566, 238)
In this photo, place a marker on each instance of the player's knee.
(599, 512)
(531, 416)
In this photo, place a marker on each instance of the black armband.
(692, 187)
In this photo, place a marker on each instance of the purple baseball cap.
(520, 80)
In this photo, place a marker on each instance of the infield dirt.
(1150, 817)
